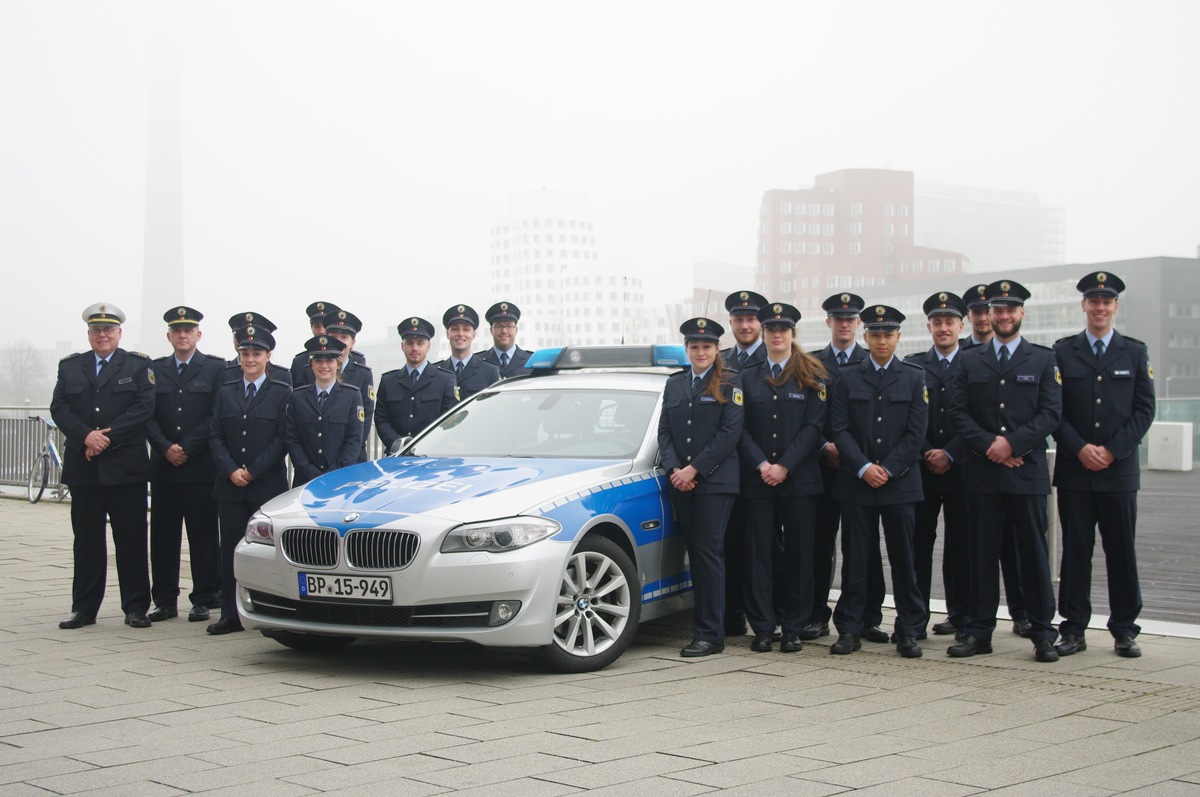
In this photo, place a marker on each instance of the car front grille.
(310, 547)
(443, 615)
(381, 550)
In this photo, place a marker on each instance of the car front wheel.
(598, 607)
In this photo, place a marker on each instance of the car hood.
(385, 491)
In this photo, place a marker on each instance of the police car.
(533, 515)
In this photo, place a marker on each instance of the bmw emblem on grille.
(350, 518)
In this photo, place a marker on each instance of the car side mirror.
(398, 445)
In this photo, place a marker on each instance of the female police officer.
(781, 477)
(325, 419)
(698, 433)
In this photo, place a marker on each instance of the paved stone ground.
(168, 710)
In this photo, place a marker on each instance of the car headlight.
(260, 529)
(498, 536)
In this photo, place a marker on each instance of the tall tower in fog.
(162, 257)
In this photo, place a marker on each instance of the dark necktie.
(1003, 356)
(458, 369)
(945, 364)
(695, 384)
(324, 394)
(775, 371)
(741, 358)
(250, 390)
(100, 368)
(503, 359)
(842, 358)
(182, 368)
(1099, 347)
(413, 375)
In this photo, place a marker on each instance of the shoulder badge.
(737, 396)
(362, 416)
(821, 391)
(926, 390)
(1150, 373)
(371, 392)
(150, 375)
(1057, 375)
(457, 397)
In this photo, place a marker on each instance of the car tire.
(598, 607)
(313, 643)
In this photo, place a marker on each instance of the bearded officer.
(1108, 404)
(181, 469)
(412, 397)
(102, 402)
(505, 354)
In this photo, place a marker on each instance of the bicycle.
(39, 469)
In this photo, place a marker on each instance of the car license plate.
(330, 586)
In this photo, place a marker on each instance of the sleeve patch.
(362, 416)
(150, 375)
(926, 390)
(738, 398)
(371, 392)
(821, 393)
(1150, 372)
(1057, 375)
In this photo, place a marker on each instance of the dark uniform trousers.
(783, 425)
(697, 430)
(829, 518)
(1010, 566)
(943, 493)
(183, 494)
(404, 408)
(320, 440)
(110, 487)
(736, 586)
(1021, 401)
(476, 375)
(1107, 401)
(879, 418)
(249, 435)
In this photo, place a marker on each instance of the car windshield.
(566, 423)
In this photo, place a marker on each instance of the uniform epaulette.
(394, 371)
(1133, 340)
(1040, 346)
(139, 354)
(913, 356)
(912, 365)
(1064, 340)
(70, 356)
(233, 381)
(282, 383)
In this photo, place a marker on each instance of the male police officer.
(505, 354)
(472, 374)
(102, 401)
(318, 314)
(1007, 400)
(880, 411)
(941, 466)
(842, 317)
(1108, 404)
(743, 307)
(980, 319)
(181, 469)
(412, 397)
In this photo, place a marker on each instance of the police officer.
(344, 326)
(781, 478)
(743, 307)
(1108, 404)
(102, 401)
(842, 317)
(318, 313)
(181, 469)
(472, 374)
(1006, 401)
(325, 420)
(233, 367)
(980, 320)
(412, 397)
(505, 354)
(698, 434)
(880, 411)
(247, 439)
(942, 454)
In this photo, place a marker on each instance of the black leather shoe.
(1022, 627)
(761, 643)
(894, 638)
(225, 626)
(735, 627)
(969, 646)
(76, 620)
(198, 614)
(1043, 651)
(1070, 644)
(814, 630)
(162, 613)
(846, 644)
(791, 643)
(943, 629)
(697, 647)
(1125, 646)
(907, 647)
(136, 619)
(876, 634)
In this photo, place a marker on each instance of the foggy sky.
(358, 151)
